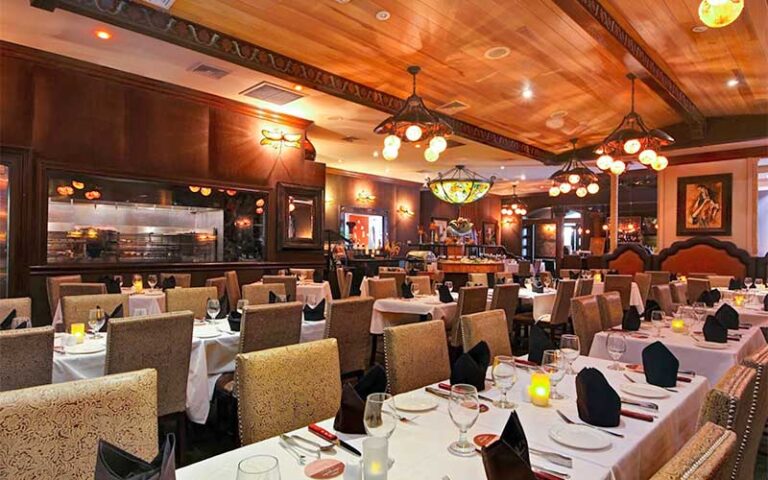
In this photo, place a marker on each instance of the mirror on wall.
(364, 227)
(300, 218)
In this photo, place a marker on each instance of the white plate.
(712, 345)
(85, 348)
(205, 332)
(415, 403)
(579, 436)
(153, 293)
(644, 390)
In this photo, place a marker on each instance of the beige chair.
(349, 322)
(233, 288)
(268, 326)
(621, 284)
(344, 280)
(22, 305)
(503, 277)
(679, 292)
(478, 279)
(416, 355)
(565, 273)
(703, 457)
(561, 309)
(524, 268)
(584, 287)
(643, 281)
(52, 287)
(398, 277)
(74, 309)
(611, 311)
(658, 277)
(72, 289)
(471, 300)
(183, 280)
(288, 282)
(421, 282)
(506, 297)
(391, 269)
(285, 388)
(489, 327)
(194, 299)
(220, 283)
(382, 288)
(26, 357)
(697, 286)
(52, 431)
(258, 293)
(586, 320)
(758, 412)
(719, 281)
(663, 295)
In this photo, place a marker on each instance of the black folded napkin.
(8, 321)
(765, 303)
(113, 286)
(406, 288)
(537, 287)
(501, 280)
(168, 283)
(275, 298)
(316, 313)
(574, 275)
(538, 341)
(660, 365)
(672, 276)
(470, 367)
(235, 319)
(728, 316)
(508, 458)
(349, 418)
(597, 402)
(114, 463)
(445, 294)
(714, 331)
(116, 313)
(650, 307)
(631, 319)
(735, 284)
(710, 297)
(27, 323)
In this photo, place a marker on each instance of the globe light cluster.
(575, 177)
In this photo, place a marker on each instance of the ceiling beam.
(166, 27)
(591, 16)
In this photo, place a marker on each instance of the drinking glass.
(759, 283)
(464, 408)
(747, 282)
(504, 375)
(570, 346)
(415, 290)
(528, 283)
(259, 467)
(379, 416)
(449, 284)
(553, 363)
(118, 279)
(213, 308)
(152, 281)
(241, 304)
(96, 320)
(657, 320)
(616, 345)
(547, 281)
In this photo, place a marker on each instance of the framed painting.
(490, 234)
(441, 226)
(704, 205)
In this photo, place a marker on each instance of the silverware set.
(632, 380)
(637, 403)
(302, 449)
(571, 422)
(554, 457)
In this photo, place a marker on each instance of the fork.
(632, 380)
(571, 422)
(322, 448)
(300, 458)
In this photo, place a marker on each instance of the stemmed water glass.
(259, 467)
(213, 307)
(504, 374)
(657, 320)
(96, 320)
(571, 347)
(553, 363)
(747, 282)
(415, 289)
(464, 408)
(547, 281)
(379, 417)
(118, 279)
(449, 284)
(152, 281)
(759, 283)
(241, 304)
(616, 345)
(700, 309)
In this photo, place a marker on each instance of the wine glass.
(571, 347)
(553, 363)
(700, 309)
(415, 289)
(241, 304)
(118, 279)
(657, 320)
(547, 281)
(379, 416)
(96, 320)
(464, 408)
(152, 281)
(213, 307)
(259, 467)
(504, 374)
(616, 345)
(747, 282)
(449, 284)
(137, 279)
(759, 283)
(528, 283)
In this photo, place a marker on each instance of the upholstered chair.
(183, 280)
(696, 286)
(22, 305)
(611, 311)
(621, 284)
(194, 299)
(415, 355)
(471, 300)
(382, 288)
(659, 277)
(719, 281)
(270, 325)
(26, 357)
(285, 388)
(586, 320)
(728, 404)
(478, 279)
(422, 283)
(662, 293)
(503, 277)
(701, 275)
(75, 309)
(258, 293)
(565, 273)
(703, 457)
(52, 431)
(71, 289)
(489, 327)
(52, 286)
(391, 269)
(758, 412)
(349, 322)
(523, 268)
(584, 287)
(288, 282)
(561, 309)
(344, 280)
(398, 277)
(233, 288)
(506, 297)
(679, 292)
(220, 283)
(643, 281)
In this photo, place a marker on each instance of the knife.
(437, 393)
(648, 405)
(326, 435)
(447, 387)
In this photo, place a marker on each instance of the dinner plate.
(580, 437)
(415, 403)
(712, 345)
(644, 390)
(153, 293)
(85, 348)
(205, 332)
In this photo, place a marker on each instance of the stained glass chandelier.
(575, 176)
(460, 185)
(632, 137)
(414, 124)
(719, 13)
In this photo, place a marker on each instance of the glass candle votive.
(78, 331)
(678, 325)
(539, 389)
(375, 458)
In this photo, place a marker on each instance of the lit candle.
(678, 325)
(598, 277)
(138, 284)
(538, 390)
(78, 331)
(683, 278)
(375, 458)
(738, 299)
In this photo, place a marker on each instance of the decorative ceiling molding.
(163, 26)
(594, 19)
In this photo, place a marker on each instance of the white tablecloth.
(420, 448)
(312, 293)
(544, 302)
(422, 305)
(151, 303)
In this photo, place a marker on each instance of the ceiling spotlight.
(699, 28)
(383, 15)
(496, 53)
(527, 93)
(732, 82)
(501, 167)
(102, 34)
(298, 87)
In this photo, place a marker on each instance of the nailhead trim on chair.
(710, 451)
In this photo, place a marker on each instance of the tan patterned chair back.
(471, 300)
(75, 309)
(489, 327)
(546, 277)
(345, 282)
(416, 355)
(658, 277)
(584, 287)
(719, 281)
(422, 282)
(258, 293)
(663, 296)
(696, 286)
(758, 412)
(220, 283)
(285, 388)
(22, 305)
(508, 277)
(52, 286)
(349, 322)
(398, 277)
(561, 309)
(26, 358)
(233, 288)
(701, 275)
(728, 405)
(183, 280)
(586, 320)
(643, 281)
(52, 431)
(703, 457)
(621, 284)
(679, 292)
(524, 268)
(382, 288)
(478, 279)
(611, 311)
(565, 273)
(268, 326)
(506, 297)
(193, 299)
(72, 289)
(288, 282)
(162, 342)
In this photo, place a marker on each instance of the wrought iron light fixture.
(460, 185)
(575, 176)
(631, 138)
(515, 205)
(413, 124)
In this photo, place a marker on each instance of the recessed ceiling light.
(418, 145)
(501, 167)
(375, 154)
(102, 34)
(341, 161)
(298, 87)
(522, 176)
(496, 53)
(527, 93)
(699, 29)
(342, 1)
(383, 15)
(335, 118)
(732, 82)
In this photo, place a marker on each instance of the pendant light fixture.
(460, 185)
(514, 206)
(719, 13)
(633, 138)
(414, 123)
(575, 177)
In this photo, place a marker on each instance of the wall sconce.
(405, 211)
(364, 196)
(65, 190)
(277, 139)
(78, 185)
(92, 195)
(243, 222)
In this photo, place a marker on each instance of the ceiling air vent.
(209, 71)
(452, 107)
(164, 4)
(269, 92)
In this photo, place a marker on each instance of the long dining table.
(420, 448)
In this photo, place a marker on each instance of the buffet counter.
(470, 266)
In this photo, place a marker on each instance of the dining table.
(311, 293)
(419, 305)
(152, 301)
(418, 448)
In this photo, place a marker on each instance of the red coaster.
(483, 408)
(324, 468)
(484, 439)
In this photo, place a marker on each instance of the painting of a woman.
(704, 205)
